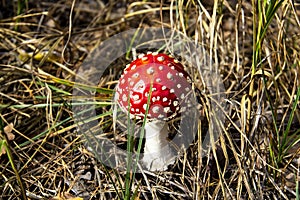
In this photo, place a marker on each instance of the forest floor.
(251, 108)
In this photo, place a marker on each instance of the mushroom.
(169, 85)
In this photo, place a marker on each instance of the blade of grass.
(297, 190)
(284, 142)
(48, 77)
(259, 32)
(130, 133)
(142, 135)
(22, 4)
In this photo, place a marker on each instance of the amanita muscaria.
(170, 88)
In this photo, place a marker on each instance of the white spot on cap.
(154, 89)
(132, 109)
(187, 89)
(155, 53)
(141, 55)
(170, 76)
(136, 97)
(124, 97)
(122, 81)
(161, 68)
(150, 71)
(165, 99)
(163, 87)
(178, 85)
(175, 103)
(139, 86)
(160, 58)
(146, 94)
(149, 52)
(133, 67)
(135, 75)
(153, 99)
(137, 110)
(155, 109)
(167, 109)
(176, 61)
(181, 74)
(145, 106)
(158, 80)
(144, 58)
(158, 98)
(182, 96)
(172, 67)
(172, 91)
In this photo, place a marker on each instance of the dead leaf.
(66, 196)
(8, 131)
(2, 150)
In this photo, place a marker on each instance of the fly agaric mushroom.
(169, 85)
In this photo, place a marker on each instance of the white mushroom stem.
(158, 153)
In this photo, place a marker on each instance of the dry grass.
(42, 45)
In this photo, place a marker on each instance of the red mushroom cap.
(169, 84)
